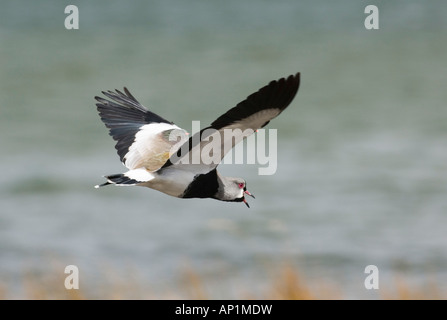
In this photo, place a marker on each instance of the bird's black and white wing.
(143, 138)
(244, 119)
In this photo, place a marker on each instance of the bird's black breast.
(203, 186)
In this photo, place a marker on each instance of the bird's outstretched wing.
(246, 117)
(143, 138)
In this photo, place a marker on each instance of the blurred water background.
(362, 157)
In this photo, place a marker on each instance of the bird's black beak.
(248, 193)
(245, 201)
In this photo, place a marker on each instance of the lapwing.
(160, 155)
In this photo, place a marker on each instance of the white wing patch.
(151, 147)
(243, 128)
(238, 123)
(223, 140)
(255, 121)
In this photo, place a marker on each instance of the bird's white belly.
(172, 181)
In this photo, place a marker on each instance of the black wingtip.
(278, 94)
(293, 78)
(128, 93)
(298, 77)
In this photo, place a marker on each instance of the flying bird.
(160, 155)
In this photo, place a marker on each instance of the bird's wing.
(143, 138)
(244, 119)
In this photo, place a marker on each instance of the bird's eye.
(241, 185)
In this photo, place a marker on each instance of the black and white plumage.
(145, 144)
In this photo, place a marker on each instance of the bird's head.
(236, 189)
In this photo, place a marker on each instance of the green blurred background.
(362, 157)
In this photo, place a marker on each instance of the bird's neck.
(222, 190)
(203, 186)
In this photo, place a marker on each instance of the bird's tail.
(130, 178)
